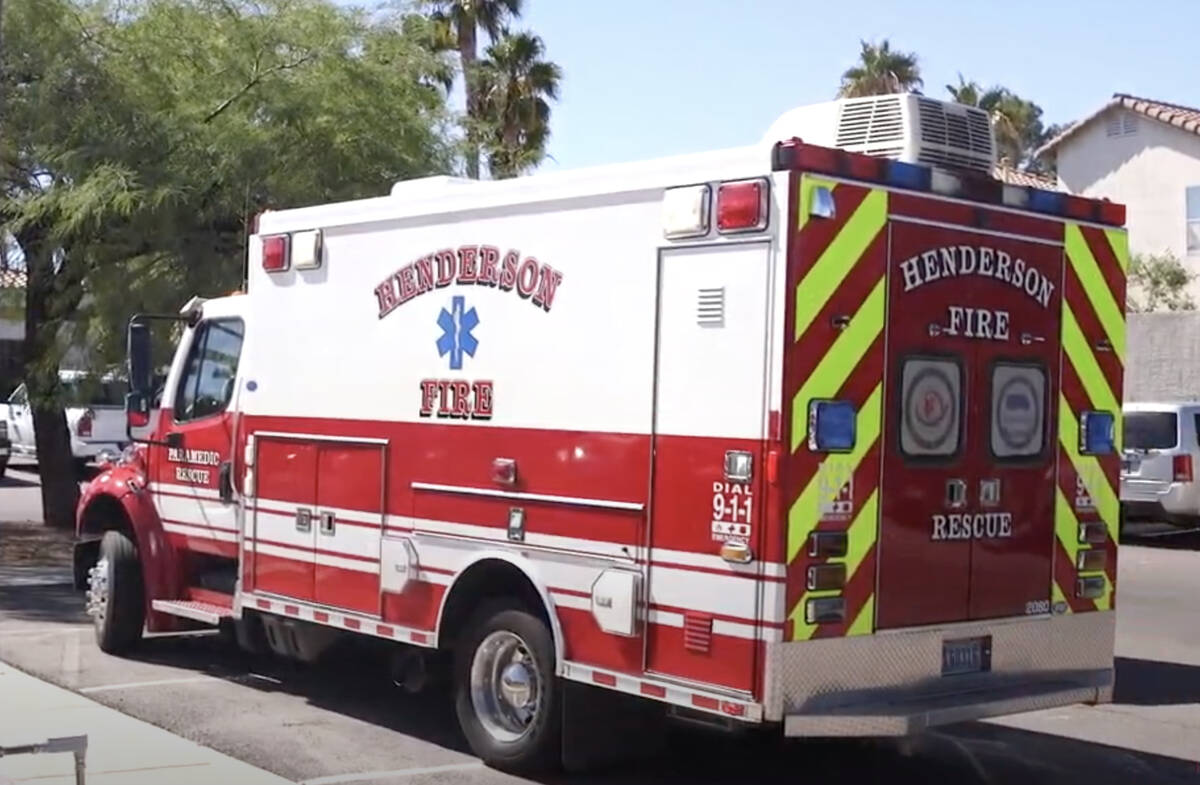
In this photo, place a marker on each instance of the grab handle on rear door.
(303, 520)
(956, 494)
(327, 523)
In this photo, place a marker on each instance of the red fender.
(162, 571)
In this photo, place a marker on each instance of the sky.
(648, 78)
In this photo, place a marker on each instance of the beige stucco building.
(1145, 154)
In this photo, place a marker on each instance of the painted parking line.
(368, 776)
(134, 685)
(18, 632)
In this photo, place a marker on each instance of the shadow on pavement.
(54, 604)
(1150, 683)
(353, 681)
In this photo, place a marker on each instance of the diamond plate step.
(204, 612)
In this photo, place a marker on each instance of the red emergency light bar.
(795, 154)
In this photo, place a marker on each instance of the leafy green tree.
(460, 22)
(881, 70)
(1158, 282)
(515, 85)
(142, 137)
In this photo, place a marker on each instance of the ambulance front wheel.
(115, 597)
(506, 693)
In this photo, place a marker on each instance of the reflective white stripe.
(730, 629)
(721, 594)
(336, 618)
(666, 618)
(571, 601)
(341, 512)
(579, 501)
(715, 562)
(438, 578)
(197, 512)
(307, 556)
(668, 692)
(591, 547)
(184, 490)
(350, 540)
(201, 532)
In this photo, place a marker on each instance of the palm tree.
(515, 85)
(881, 70)
(460, 21)
(966, 92)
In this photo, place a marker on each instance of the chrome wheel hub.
(97, 593)
(505, 686)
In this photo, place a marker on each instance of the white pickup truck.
(95, 417)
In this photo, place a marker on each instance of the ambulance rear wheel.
(506, 692)
(115, 596)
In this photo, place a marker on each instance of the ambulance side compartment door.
(710, 401)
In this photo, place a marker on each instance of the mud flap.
(602, 728)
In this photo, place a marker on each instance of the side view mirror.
(141, 380)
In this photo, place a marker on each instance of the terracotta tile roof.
(1011, 176)
(12, 279)
(1183, 117)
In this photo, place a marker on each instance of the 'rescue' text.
(968, 526)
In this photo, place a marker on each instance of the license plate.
(968, 655)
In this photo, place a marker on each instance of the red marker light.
(275, 253)
(84, 427)
(742, 206)
(1181, 466)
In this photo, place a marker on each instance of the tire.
(489, 721)
(116, 598)
(3, 468)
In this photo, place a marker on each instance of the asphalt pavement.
(343, 722)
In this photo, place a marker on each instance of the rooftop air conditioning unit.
(904, 127)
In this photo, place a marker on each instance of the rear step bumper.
(891, 683)
(917, 714)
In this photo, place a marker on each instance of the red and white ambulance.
(822, 432)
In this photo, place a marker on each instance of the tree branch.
(255, 81)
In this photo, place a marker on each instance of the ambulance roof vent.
(903, 126)
(429, 186)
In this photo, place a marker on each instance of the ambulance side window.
(208, 377)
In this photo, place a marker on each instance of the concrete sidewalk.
(121, 750)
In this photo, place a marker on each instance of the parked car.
(95, 409)
(1161, 451)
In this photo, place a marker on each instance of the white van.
(1158, 465)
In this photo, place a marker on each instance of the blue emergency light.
(1097, 432)
(832, 426)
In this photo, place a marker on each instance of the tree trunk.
(60, 486)
(466, 53)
